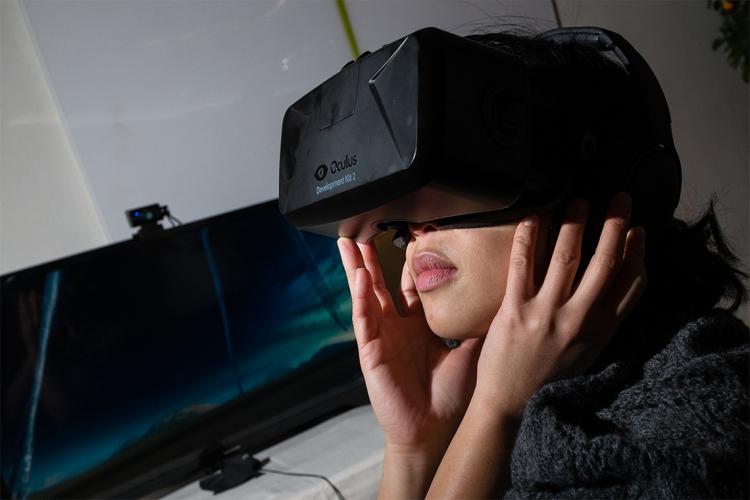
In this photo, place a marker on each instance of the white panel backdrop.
(180, 102)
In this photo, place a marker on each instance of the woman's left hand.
(538, 336)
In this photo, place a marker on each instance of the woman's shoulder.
(710, 350)
(676, 425)
(715, 331)
(705, 345)
(694, 390)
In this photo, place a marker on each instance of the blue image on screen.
(103, 353)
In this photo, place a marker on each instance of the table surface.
(347, 449)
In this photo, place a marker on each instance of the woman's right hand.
(419, 389)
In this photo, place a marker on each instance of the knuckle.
(528, 318)
(619, 224)
(569, 329)
(567, 326)
(523, 239)
(528, 323)
(606, 262)
(519, 261)
(566, 258)
(535, 324)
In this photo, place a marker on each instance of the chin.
(456, 320)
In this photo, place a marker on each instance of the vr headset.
(440, 128)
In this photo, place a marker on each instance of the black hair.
(690, 266)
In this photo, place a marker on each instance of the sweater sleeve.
(679, 431)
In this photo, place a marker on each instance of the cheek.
(467, 307)
(485, 289)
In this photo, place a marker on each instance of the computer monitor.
(136, 367)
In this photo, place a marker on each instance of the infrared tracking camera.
(148, 218)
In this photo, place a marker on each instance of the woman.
(574, 378)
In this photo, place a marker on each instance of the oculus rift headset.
(437, 127)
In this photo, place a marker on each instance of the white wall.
(181, 102)
(46, 209)
(707, 100)
(84, 133)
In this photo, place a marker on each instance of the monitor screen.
(104, 351)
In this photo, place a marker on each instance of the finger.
(372, 263)
(366, 311)
(607, 259)
(632, 280)
(473, 347)
(408, 296)
(567, 254)
(520, 286)
(351, 258)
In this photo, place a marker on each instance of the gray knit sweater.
(674, 426)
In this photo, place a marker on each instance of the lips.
(432, 270)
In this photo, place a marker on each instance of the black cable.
(336, 490)
(262, 464)
(238, 470)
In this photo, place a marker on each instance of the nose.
(421, 228)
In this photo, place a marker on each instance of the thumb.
(409, 301)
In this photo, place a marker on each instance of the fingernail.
(529, 220)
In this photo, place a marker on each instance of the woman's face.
(461, 274)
